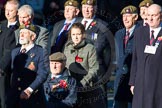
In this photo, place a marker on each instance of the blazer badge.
(32, 55)
(31, 66)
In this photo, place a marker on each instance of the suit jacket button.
(18, 79)
(19, 88)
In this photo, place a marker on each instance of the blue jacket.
(61, 97)
(124, 59)
(28, 70)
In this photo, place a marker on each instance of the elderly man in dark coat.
(146, 71)
(60, 86)
(29, 71)
(26, 16)
(124, 42)
(59, 34)
(7, 43)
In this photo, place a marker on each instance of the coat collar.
(64, 73)
(80, 45)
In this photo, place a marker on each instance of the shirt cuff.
(30, 89)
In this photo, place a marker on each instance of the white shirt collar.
(11, 23)
(88, 22)
(55, 76)
(131, 30)
(28, 47)
(156, 31)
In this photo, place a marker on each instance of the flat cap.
(58, 56)
(146, 3)
(29, 27)
(129, 9)
(89, 2)
(71, 3)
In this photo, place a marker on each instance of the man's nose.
(55, 66)
(86, 9)
(67, 10)
(125, 18)
(21, 35)
(7, 13)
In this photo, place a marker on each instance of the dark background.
(108, 10)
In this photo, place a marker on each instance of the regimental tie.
(65, 30)
(85, 22)
(126, 38)
(61, 40)
(66, 26)
(152, 37)
(52, 78)
(23, 51)
(12, 27)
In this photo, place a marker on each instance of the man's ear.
(77, 11)
(136, 17)
(95, 9)
(33, 36)
(161, 16)
(31, 17)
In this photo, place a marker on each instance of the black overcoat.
(7, 43)
(146, 72)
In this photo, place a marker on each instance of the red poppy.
(160, 38)
(26, 23)
(78, 59)
(93, 23)
(63, 84)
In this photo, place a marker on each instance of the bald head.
(155, 7)
(154, 15)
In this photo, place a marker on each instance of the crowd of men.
(34, 61)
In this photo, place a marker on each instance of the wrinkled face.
(24, 17)
(10, 11)
(143, 12)
(129, 20)
(70, 12)
(25, 37)
(87, 11)
(76, 36)
(56, 67)
(154, 16)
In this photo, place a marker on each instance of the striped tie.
(152, 37)
(126, 38)
(85, 22)
(66, 26)
(23, 51)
